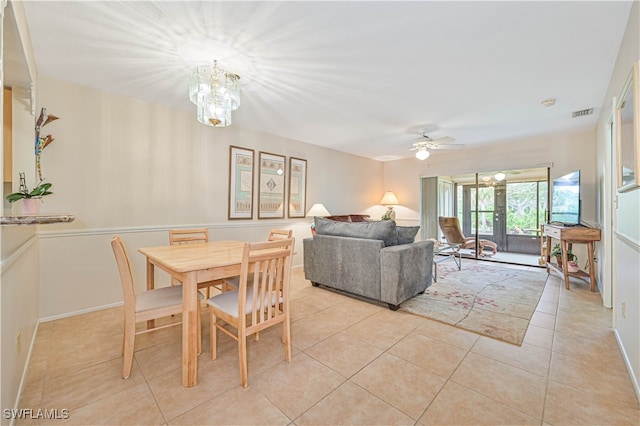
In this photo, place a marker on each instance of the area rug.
(491, 300)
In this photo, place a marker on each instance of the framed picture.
(297, 187)
(271, 186)
(628, 133)
(240, 183)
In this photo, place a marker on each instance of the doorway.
(506, 207)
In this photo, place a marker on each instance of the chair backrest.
(187, 236)
(451, 229)
(124, 268)
(280, 234)
(267, 288)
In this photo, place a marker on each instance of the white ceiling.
(359, 77)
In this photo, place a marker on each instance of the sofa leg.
(314, 284)
(393, 307)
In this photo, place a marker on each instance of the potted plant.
(30, 197)
(571, 258)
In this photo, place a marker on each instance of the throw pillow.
(384, 230)
(407, 234)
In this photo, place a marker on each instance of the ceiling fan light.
(422, 154)
(500, 176)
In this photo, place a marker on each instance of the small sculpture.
(42, 142)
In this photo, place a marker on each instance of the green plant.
(39, 191)
(557, 252)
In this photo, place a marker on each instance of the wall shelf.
(36, 219)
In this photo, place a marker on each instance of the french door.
(507, 208)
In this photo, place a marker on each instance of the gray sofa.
(376, 260)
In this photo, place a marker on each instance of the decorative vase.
(30, 206)
(572, 266)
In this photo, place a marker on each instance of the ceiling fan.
(424, 143)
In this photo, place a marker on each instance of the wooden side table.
(569, 235)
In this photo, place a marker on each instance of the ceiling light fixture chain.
(215, 92)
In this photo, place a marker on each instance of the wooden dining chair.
(259, 302)
(274, 235)
(192, 236)
(144, 306)
(280, 234)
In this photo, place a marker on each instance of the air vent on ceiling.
(582, 113)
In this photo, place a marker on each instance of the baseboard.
(625, 357)
(80, 312)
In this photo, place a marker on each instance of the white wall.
(125, 166)
(19, 271)
(563, 152)
(19, 307)
(624, 242)
(566, 152)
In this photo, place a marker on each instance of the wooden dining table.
(191, 264)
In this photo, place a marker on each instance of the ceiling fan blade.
(446, 146)
(445, 139)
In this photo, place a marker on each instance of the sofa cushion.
(407, 234)
(350, 218)
(384, 230)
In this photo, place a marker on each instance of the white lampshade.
(389, 199)
(318, 210)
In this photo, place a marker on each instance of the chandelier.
(216, 92)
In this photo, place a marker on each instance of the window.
(526, 206)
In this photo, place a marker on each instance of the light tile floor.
(354, 363)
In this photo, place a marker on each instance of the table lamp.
(317, 210)
(389, 199)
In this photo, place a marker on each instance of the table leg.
(565, 261)
(190, 330)
(150, 285)
(592, 267)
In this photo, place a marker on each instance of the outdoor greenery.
(526, 206)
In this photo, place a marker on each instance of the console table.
(569, 235)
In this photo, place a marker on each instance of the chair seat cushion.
(228, 302)
(160, 298)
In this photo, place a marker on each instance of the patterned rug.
(487, 299)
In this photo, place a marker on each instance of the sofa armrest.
(307, 257)
(405, 271)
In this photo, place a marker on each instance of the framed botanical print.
(240, 183)
(297, 187)
(271, 186)
(628, 132)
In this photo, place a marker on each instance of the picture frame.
(241, 178)
(628, 132)
(271, 186)
(297, 187)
